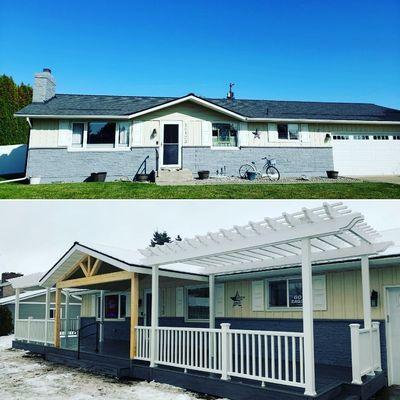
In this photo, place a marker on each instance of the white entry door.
(170, 149)
(393, 334)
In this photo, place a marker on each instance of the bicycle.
(269, 167)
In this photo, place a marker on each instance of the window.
(197, 303)
(396, 137)
(114, 306)
(224, 135)
(381, 137)
(288, 131)
(52, 313)
(285, 293)
(360, 137)
(340, 137)
(101, 134)
(77, 134)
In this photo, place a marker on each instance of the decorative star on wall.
(237, 299)
(256, 134)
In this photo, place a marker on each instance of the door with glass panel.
(170, 145)
(393, 334)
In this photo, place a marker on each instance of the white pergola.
(310, 236)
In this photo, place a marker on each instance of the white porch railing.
(365, 351)
(266, 356)
(34, 330)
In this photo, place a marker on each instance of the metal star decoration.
(237, 299)
(256, 134)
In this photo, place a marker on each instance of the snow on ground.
(23, 376)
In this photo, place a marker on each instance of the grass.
(127, 190)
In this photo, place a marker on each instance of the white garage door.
(366, 154)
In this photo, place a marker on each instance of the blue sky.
(293, 50)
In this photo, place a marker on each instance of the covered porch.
(223, 356)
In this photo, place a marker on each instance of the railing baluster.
(301, 356)
(266, 355)
(294, 373)
(286, 358)
(273, 376)
(279, 357)
(241, 354)
(253, 354)
(259, 355)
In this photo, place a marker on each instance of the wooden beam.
(83, 268)
(73, 269)
(96, 267)
(134, 313)
(57, 318)
(94, 280)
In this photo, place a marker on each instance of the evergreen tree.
(13, 97)
(160, 238)
(6, 325)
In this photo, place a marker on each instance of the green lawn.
(127, 190)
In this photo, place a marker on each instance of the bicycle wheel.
(272, 173)
(244, 168)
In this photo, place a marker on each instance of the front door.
(170, 145)
(393, 333)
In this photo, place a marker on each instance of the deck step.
(174, 176)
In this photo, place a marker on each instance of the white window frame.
(225, 147)
(54, 312)
(281, 308)
(288, 139)
(186, 303)
(86, 147)
(119, 294)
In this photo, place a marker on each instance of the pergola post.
(57, 318)
(154, 315)
(212, 301)
(367, 304)
(101, 330)
(134, 313)
(16, 310)
(308, 317)
(47, 316)
(66, 314)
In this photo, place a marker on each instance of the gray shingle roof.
(72, 104)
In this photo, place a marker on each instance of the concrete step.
(173, 176)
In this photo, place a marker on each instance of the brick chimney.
(44, 87)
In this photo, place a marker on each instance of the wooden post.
(46, 318)
(154, 315)
(134, 313)
(66, 315)
(308, 317)
(57, 318)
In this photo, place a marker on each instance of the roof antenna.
(230, 95)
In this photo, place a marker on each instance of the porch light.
(154, 133)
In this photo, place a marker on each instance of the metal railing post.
(225, 356)
(355, 353)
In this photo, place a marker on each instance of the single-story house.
(301, 306)
(72, 136)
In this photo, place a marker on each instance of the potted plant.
(203, 174)
(251, 175)
(332, 174)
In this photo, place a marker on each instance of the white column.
(16, 309)
(47, 315)
(367, 306)
(66, 314)
(101, 332)
(366, 291)
(212, 301)
(154, 315)
(308, 317)
(355, 353)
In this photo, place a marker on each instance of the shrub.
(6, 324)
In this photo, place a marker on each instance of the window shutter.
(64, 134)
(272, 132)
(319, 292)
(305, 134)
(257, 296)
(206, 133)
(243, 134)
(220, 300)
(137, 133)
(179, 302)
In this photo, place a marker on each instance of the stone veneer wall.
(61, 165)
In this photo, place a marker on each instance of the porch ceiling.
(335, 233)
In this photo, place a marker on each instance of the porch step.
(91, 365)
(174, 176)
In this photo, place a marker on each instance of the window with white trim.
(361, 137)
(285, 293)
(114, 306)
(340, 137)
(381, 137)
(224, 135)
(288, 131)
(197, 303)
(52, 313)
(78, 129)
(396, 137)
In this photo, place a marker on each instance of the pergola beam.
(95, 280)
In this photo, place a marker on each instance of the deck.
(332, 382)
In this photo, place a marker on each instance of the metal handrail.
(144, 169)
(97, 323)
